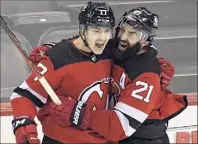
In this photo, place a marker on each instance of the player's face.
(97, 38)
(128, 36)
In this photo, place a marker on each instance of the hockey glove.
(168, 70)
(25, 130)
(37, 53)
(71, 113)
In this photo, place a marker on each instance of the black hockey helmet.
(96, 13)
(141, 18)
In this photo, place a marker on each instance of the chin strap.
(93, 57)
(82, 28)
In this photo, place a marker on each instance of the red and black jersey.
(139, 79)
(72, 74)
(136, 85)
(140, 98)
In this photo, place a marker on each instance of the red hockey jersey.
(136, 85)
(141, 98)
(70, 74)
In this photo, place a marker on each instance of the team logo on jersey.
(97, 94)
(94, 58)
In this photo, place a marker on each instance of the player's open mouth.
(99, 45)
(123, 45)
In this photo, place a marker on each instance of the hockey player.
(75, 68)
(134, 73)
(137, 57)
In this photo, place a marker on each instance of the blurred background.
(38, 22)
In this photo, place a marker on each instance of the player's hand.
(71, 113)
(168, 70)
(38, 52)
(25, 131)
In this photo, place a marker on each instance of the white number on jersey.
(44, 70)
(144, 88)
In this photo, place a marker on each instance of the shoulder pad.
(142, 63)
(60, 54)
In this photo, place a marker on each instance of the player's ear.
(143, 43)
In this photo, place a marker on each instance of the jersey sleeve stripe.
(25, 86)
(29, 95)
(132, 122)
(16, 95)
(131, 111)
(125, 124)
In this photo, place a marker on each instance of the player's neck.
(80, 45)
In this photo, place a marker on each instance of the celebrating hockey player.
(75, 68)
(139, 78)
